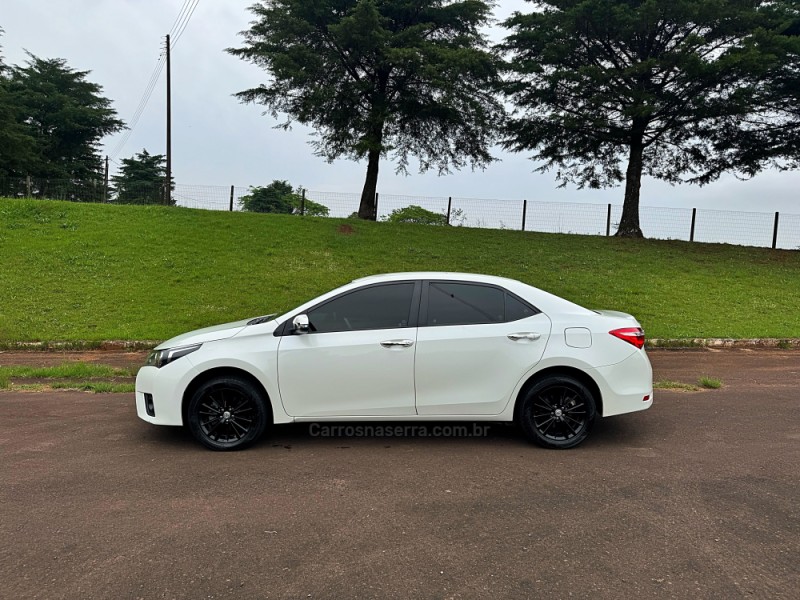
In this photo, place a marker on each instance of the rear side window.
(375, 307)
(516, 309)
(473, 304)
(464, 304)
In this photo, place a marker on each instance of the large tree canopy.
(66, 115)
(16, 144)
(141, 180)
(609, 89)
(770, 135)
(377, 77)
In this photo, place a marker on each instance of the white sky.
(218, 141)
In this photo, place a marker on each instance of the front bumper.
(165, 387)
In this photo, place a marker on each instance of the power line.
(180, 30)
(148, 92)
(186, 3)
(179, 26)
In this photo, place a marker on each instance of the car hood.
(207, 334)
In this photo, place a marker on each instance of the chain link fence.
(698, 225)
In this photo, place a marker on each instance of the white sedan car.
(404, 347)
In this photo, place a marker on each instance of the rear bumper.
(625, 385)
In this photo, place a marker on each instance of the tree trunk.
(368, 208)
(629, 222)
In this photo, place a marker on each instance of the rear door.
(474, 343)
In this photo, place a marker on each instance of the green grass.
(73, 370)
(98, 387)
(68, 376)
(666, 384)
(710, 383)
(82, 272)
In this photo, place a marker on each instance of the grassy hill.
(72, 271)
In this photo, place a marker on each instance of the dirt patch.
(345, 229)
(113, 358)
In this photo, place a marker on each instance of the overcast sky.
(219, 141)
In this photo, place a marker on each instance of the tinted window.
(516, 310)
(464, 304)
(377, 307)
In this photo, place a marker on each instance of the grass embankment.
(92, 272)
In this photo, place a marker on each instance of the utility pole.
(105, 182)
(168, 185)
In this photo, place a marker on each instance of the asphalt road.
(697, 497)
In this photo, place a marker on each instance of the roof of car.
(545, 301)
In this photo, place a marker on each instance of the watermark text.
(395, 430)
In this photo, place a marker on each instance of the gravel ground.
(697, 497)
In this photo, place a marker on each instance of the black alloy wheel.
(227, 413)
(557, 412)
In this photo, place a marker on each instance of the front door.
(358, 357)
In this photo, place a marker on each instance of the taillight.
(632, 335)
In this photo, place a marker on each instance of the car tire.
(227, 413)
(557, 412)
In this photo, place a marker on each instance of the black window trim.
(423, 305)
(285, 328)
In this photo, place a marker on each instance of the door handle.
(396, 343)
(524, 336)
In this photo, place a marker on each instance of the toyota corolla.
(404, 347)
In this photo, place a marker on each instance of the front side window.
(473, 304)
(376, 307)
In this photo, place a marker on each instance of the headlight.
(159, 358)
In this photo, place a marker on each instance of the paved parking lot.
(697, 497)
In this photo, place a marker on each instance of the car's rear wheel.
(227, 413)
(557, 412)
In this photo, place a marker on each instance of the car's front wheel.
(227, 413)
(557, 412)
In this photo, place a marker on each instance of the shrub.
(416, 214)
(279, 197)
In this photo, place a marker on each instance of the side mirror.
(300, 324)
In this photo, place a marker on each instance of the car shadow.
(617, 431)
(342, 433)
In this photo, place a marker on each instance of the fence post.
(694, 218)
(449, 206)
(28, 186)
(230, 208)
(608, 221)
(105, 181)
(375, 213)
(775, 231)
(303, 203)
(524, 212)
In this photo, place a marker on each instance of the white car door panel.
(357, 357)
(473, 369)
(348, 373)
